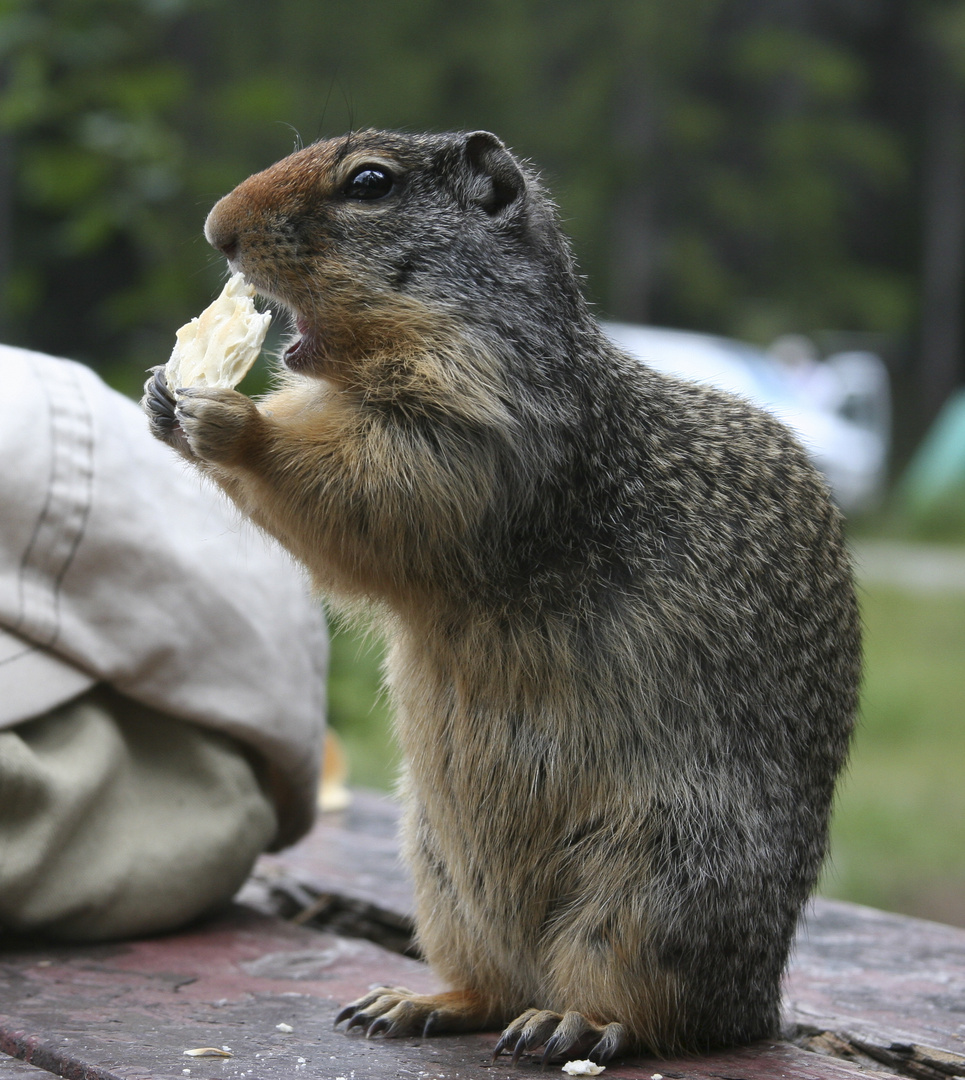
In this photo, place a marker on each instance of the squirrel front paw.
(160, 406)
(216, 423)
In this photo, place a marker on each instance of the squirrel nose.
(221, 233)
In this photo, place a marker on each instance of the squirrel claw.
(160, 407)
(612, 1042)
(379, 1024)
(513, 1033)
(158, 401)
(356, 1011)
(563, 1035)
(344, 1014)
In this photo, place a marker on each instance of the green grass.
(357, 708)
(898, 839)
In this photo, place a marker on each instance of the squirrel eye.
(369, 182)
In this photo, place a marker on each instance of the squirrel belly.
(624, 644)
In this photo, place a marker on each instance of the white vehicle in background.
(840, 408)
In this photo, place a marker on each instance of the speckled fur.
(624, 648)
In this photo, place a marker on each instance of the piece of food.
(583, 1068)
(219, 346)
(207, 1051)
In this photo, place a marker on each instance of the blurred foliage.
(728, 165)
(358, 708)
(92, 175)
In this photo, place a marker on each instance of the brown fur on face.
(624, 647)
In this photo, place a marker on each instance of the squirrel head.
(380, 241)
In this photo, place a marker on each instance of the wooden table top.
(868, 994)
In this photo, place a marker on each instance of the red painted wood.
(893, 986)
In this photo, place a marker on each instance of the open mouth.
(298, 353)
(306, 352)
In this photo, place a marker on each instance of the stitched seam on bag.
(63, 520)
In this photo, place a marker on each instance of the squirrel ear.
(496, 179)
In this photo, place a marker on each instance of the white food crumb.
(657, 1076)
(583, 1068)
(284, 1027)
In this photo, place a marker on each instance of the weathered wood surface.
(127, 1012)
(873, 994)
(15, 1069)
(345, 876)
(882, 985)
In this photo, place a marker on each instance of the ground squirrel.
(623, 641)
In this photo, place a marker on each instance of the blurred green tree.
(92, 165)
(738, 166)
(942, 338)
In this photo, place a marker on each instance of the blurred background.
(784, 179)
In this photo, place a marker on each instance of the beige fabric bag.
(119, 567)
(117, 820)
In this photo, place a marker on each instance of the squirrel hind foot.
(395, 1013)
(562, 1036)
